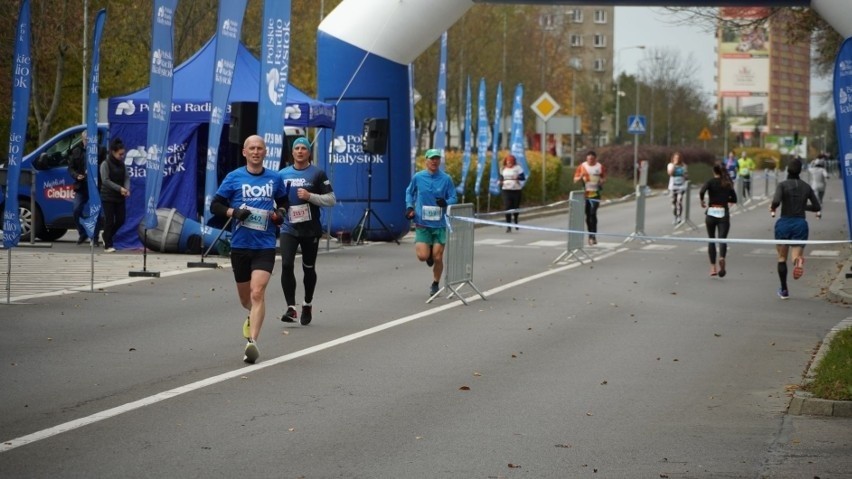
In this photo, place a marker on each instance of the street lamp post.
(576, 68)
(618, 92)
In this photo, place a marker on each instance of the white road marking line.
(131, 406)
(547, 243)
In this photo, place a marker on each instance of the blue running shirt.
(256, 192)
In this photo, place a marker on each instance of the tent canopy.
(193, 87)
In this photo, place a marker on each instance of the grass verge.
(833, 375)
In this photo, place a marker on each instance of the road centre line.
(150, 400)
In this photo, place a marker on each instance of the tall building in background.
(586, 38)
(763, 82)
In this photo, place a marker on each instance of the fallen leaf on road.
(564, 446)
(604, 383)
(717, 335)
(476, 373)
(464, 388)
(514, 466)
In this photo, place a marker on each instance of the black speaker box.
(375, 137)
(243, 121)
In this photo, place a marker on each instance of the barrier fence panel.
(576, 225)
(458, 252)
(685, 222)
(640, 215)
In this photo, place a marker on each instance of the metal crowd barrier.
(576, 225)
(639, 230)
(458, 252)
(685, 222)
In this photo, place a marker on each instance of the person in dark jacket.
(115, 188)
(78, 170)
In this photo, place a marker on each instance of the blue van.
(54, 188)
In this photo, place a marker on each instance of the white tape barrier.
(659, 238)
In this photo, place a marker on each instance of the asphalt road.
(635, 365)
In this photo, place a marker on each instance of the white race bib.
(431, 213)
(744, 172)
(716, 211)
(258, 220)
(299, 213)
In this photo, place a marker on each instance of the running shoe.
(433, 290)
(306, 315)
(109, 250)
(722, 271)
(247, 329)
(430, 260)
(508, 229)
(252, 353)
(289, 316)
(783, 294)
(798, 267)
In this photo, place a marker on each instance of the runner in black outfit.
(721, 193)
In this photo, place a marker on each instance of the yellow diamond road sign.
(705, 134)
(545, 106)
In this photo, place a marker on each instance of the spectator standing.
(745, 168)
(511, 183)
(115, 188)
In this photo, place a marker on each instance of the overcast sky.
(649, 27)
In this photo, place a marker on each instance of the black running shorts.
(244, 261)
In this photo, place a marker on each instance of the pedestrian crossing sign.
(636, 124)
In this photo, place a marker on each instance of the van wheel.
(26, 217)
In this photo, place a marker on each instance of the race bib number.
(744, 172)
(716, 211)
(678, 181)
(299, 213)
(431, 213)
(594, 183)
(258, 220)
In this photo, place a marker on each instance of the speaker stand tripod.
(364, 223)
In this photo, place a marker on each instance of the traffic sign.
(545, 106)
(705, 134)
(636, 124)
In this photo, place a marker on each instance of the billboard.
(744, 71)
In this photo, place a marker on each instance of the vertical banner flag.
(467, 140)
(159, 104)
(494, 183)
(21, 76)
(843, 117)
(482, 137)
(412, 136)
(227, 41)
(93, 207)
(274, 76)
(441, 127)
(517, 141)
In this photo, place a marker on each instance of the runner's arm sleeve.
(327, 199)
(219, 206)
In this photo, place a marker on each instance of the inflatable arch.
(364, 48)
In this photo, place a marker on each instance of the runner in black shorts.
(795, 197)
(249, 196)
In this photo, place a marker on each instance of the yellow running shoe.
(247, 329)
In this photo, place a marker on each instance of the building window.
(600, 64)
(597, 87)
(600, 16)
(575, 15)
(576, 40)
(600, 40)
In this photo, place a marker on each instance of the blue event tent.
(186, 151)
